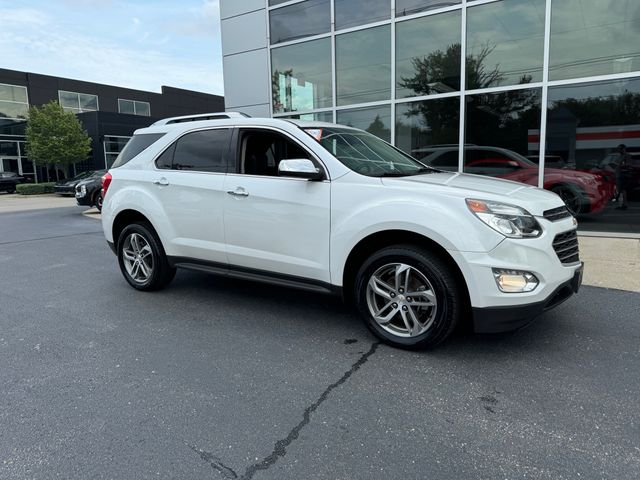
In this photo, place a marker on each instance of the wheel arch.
(127, 217)
(386, 238)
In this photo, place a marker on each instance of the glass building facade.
(542, 92)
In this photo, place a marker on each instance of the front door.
(275, 224)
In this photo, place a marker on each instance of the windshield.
(367, 154)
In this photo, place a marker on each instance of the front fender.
(445, 221)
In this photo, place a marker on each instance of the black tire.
(450, 295)
(161, 272)
(572, 198)
(98, 201)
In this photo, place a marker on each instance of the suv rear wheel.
(408, 297)
(142, 259)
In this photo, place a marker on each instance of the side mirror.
(299, 168)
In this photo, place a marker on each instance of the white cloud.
(35, 41)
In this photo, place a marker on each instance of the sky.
(140, 44)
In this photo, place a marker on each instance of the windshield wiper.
(420, 171)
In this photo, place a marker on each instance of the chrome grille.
(556, 214)
(566, 247)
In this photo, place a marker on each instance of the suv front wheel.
(409, 297)
(142, 259)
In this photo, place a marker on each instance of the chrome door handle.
(238, 192)
(163, 182)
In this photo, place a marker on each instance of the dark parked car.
(89, 190)
(9, 180)
(68, 186)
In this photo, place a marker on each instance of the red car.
(607, 169)
(582, 192)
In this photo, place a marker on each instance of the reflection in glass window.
(498, 130)
(13, 110)
(363, 65)
(503, 120)
(429, 130)
(428, 55)
(313, 117)
(299, 20)
(301, 76)
(408, 7)
(13, 93)
(594, 37)
(595, 129)
(350, 13)
(78, 102)
(134, 107)
(375, 120)
(505, 43)
(126, 106)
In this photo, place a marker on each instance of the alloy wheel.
(401, 300)
(137, 257)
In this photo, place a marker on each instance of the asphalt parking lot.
(221, 379)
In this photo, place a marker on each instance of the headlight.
(509, 220)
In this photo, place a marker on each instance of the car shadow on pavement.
(304, 307)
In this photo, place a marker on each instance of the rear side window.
(201, 151)
(135, 146)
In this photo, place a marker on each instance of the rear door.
(189, 182)
(272, 223)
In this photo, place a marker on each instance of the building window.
(350, 13)
(428, 55)
(375, 120)
(312, 117)
(301, 76)
(505, 56)
(134, 107)
(497, 134)
(113, 145)
(78, 102)
(594, 37)
(594, 130)
(409, 7)
(304, 19)
(363, 66)
(429, 129)
(14, 103)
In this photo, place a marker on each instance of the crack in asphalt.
(215, 462)
(280, 447)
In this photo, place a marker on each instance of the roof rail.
(201, 116)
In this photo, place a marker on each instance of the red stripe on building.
(608, 135)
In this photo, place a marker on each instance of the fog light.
(515, 281)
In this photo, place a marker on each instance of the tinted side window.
(135, 146)
(165, 160)
(261, 152)
(203, 151)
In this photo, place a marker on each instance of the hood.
(67, 183)
(464, 185)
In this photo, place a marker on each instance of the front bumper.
(496, 311)
(61, 190)
(509, 318)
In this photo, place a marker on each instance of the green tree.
(378, 129)
(56, 137)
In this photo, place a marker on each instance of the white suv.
(334, 209)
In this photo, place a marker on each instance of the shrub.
(34, 188)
